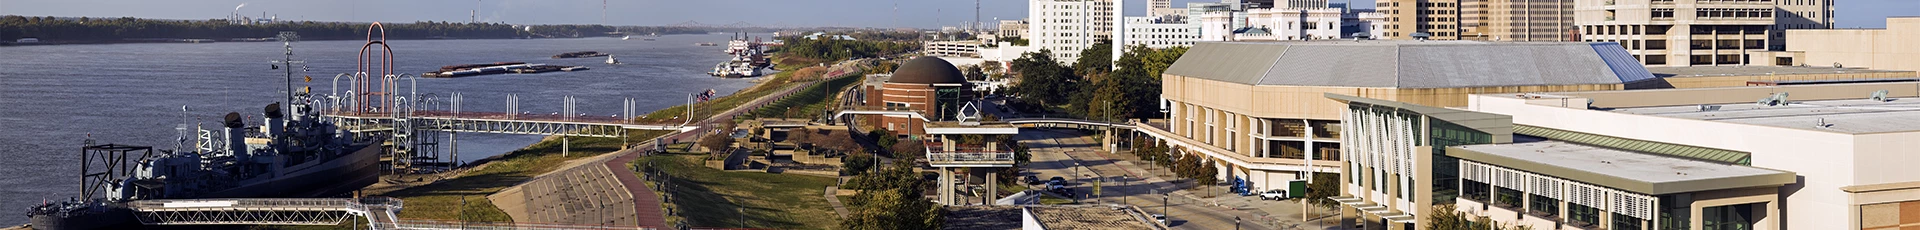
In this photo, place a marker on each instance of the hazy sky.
(853, 13)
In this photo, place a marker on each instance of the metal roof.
(1675, 150)
(1410, 64)
(1634, 171)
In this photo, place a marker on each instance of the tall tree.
(891, 199)
(1043, 81)
(1095, 60)
(974, 73)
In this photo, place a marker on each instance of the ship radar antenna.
(287, 41)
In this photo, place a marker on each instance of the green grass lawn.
(808, 102)
(706, 197)
(707, 109)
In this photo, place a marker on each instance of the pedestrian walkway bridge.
(504, 123)
(374, 213)
(263, 211)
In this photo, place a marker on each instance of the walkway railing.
(968, 155)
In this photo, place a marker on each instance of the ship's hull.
(111, 217)
(324, 179)
(331, 178)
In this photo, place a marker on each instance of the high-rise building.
(1488, 20)
(1159, 32)
(1437, 19)
(1799, 15)
(1681, 32)
(1065, 27)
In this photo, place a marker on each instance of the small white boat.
(628, 37)
(611, 61)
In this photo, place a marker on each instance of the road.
(1057, 152)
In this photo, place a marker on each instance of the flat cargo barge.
(498, 68)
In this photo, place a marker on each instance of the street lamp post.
(1163, 206)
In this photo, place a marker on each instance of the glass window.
(1676, 211)
(1731, 217)
(1543, 206)
(1623, 221)
(1507, 198)
(1581, 215)
(1474, 190)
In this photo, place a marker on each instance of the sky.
(776, 13)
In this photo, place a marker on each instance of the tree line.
(1091, 88)
(86, 29)
(827, 48)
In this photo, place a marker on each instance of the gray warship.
(294, 153)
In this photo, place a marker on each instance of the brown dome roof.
(927, 70)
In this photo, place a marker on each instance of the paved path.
(646, 202)
(835, 201)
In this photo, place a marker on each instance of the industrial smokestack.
(275, 125)
(237, 138)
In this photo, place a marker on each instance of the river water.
(52, 98)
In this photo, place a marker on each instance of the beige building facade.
(1892, 48)
(1687, 32)
(1848, 146)
(1259, 110)
(1481, 20)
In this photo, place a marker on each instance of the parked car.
(1031, 180)
(1276, 194)
(1162, 218)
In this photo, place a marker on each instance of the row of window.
(1733, 13)
(1674, 216)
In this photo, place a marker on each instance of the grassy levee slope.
(707, 197)
(809, 101)
(441, 201)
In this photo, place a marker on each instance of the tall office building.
(1798, 14)
(1066, 27)
(1488, 20)
(1438, 19)
(1681, 32)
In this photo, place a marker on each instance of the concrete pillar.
(1694, 217)
(946, 144)
(1606, 213)
(1347, 215)
(1106, 141)
(993, 190)
(1772, 219)
(946, 186)
(564, 147)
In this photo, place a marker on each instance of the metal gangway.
(265, 211)
(378, 213)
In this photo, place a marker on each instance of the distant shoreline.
(195, 41)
